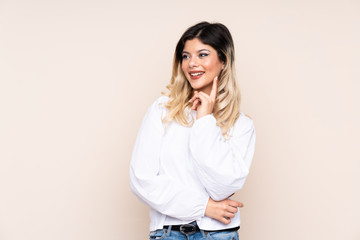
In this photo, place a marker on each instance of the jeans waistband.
(192, 228)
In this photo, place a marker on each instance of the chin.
(196, 84)
(197, 88)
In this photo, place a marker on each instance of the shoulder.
(162, 100)
(158, 108)
(243, 124)
(160, 103)
(244, 119)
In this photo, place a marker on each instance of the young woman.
(194, 148)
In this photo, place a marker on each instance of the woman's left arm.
(222, 165)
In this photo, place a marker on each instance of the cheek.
(183, 67)
(215, 67)
(210, 65)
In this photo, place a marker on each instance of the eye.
(185, 56)
(203, 54)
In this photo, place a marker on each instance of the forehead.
(195, 45)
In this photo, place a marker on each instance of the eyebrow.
(198, 51)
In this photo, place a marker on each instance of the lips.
(196, 75)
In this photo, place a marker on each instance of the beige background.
(76, 78)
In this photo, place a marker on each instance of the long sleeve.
(158, 190)
(222, 165)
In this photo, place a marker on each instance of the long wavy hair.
(227, 103)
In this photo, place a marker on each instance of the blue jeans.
(168, 234)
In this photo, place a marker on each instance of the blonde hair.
(227, 104)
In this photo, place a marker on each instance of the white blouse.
(175, 170)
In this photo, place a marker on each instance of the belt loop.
(168, 231)
(203, 233)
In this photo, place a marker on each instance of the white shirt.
(175, 171)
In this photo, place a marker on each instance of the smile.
(196, 74)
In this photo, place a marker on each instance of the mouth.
(196, 75)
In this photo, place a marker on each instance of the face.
(200, 64)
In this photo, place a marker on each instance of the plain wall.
(76, 78)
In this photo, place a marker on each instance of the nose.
(193, 63)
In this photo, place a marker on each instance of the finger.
(194, 96)
(229, 214)
(214, 88)
(235, 203)
(231, 209)
(195, 104)
(225, 220)
(203, 96)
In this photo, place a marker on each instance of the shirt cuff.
(205, 122)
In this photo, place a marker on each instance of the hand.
(223, 210)
(203, 103)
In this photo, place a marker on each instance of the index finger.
(234, 203)
(214, 88)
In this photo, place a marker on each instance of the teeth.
(196, 74)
